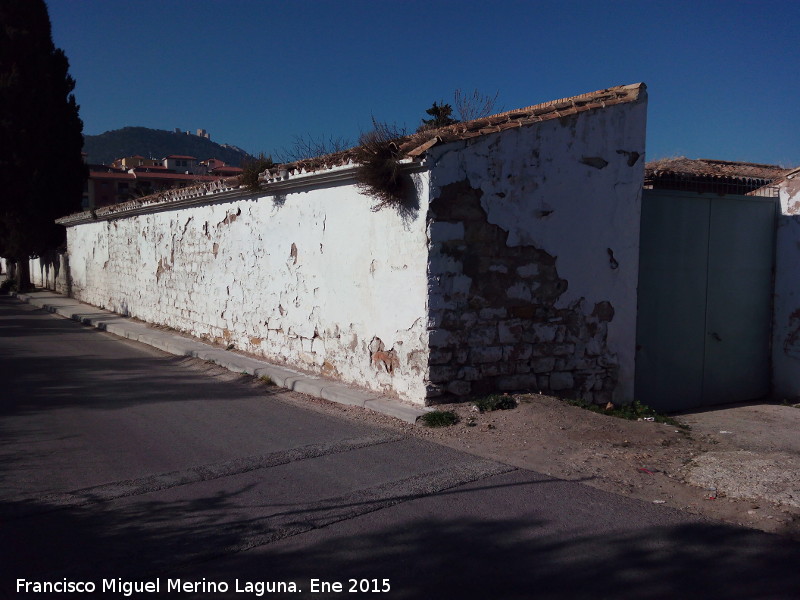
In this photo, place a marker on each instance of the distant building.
(108, 185)
(180, 163)
(215, 166)
(130, 162)
(226, 171)
(213, 163)
(200, 133)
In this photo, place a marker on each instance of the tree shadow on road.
(429, 547)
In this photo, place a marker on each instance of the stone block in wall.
(455, 285)
(437, 300)
(594, 347)
(442, 231)
(510, 331)
(492, 237)
(461, 355)
(482, 335)
(486, 355)
(521, 366)
(541, 332)
(441, 338)
(444, 264)
(529, 270)
(543, 365)
(517, 352)
(433, 391)
(440, 357)
(561, 380)
(606, 360)
(459, 387)
(575, 363)
(442, 373)
(509, 383)
(543, 382)
(562, 349)
(470, 374)
(492, 313)
(520, 291)
(493, 369)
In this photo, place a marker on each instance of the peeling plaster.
(253, 281)
(538, 190)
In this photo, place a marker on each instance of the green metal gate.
(705, 299)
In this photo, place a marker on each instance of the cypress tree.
(441, 116)
(41, 168)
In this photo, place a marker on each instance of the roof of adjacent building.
(111, 175)
(711, 175)
(714, 168)
(185, 177)
(181, 156)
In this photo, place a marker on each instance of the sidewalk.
(184, 346)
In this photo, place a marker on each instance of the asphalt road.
(122, 465)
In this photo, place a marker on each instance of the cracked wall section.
(534, 235)
(494, 315)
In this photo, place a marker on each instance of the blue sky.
(722, 77)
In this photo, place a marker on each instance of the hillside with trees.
(156, 143)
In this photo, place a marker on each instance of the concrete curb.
(181, 346)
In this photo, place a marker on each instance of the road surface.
(125, 472)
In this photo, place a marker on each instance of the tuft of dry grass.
(380, 173)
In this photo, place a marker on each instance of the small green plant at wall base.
(632, 412)
(267, 380)
(495, 402)
(439, 418)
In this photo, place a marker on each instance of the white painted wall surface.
(309, 279)
(49, 275)
(537, 186)
(786, 322)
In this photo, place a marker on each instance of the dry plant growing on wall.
(307, 146)
(380, 173)
(474, 105)
(252, 169)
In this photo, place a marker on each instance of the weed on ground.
(635, 411)
(495, 402)
(439, 418)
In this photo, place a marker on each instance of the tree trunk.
(23, 274)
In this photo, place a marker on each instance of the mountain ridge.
(156, 143)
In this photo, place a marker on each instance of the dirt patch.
(699, 470)
(649, 461)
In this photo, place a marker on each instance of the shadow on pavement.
(428, 556)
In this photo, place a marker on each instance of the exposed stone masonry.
(493, 321)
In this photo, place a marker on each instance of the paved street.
(121, 463)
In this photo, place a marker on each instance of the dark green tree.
(41, 167)
(441, 116)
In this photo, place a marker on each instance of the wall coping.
(226, 190)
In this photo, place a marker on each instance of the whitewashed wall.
(314, 279)
(570, 187)
(786, 322)
(50, 274)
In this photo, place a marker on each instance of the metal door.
(705, 299)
